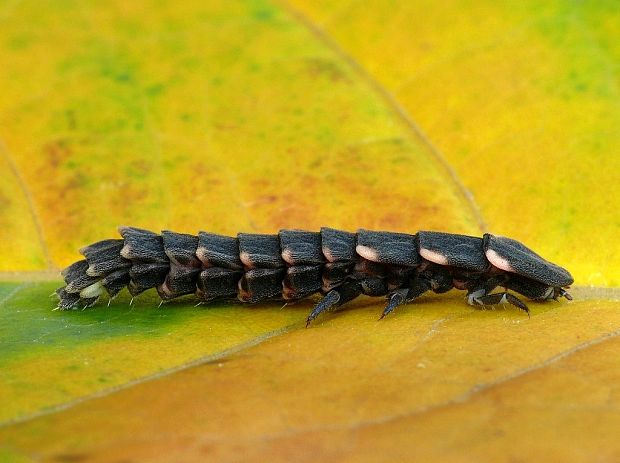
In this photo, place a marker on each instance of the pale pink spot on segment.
(201, 253)
(164, 289)
(499, 261)
(434, 256)
(126, 252)
(367, 253)
(328, 254)
(246, 259)
(287, 256)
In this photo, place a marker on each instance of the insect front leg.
(501, 298)
(479, 295)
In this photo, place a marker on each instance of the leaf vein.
(462, 193)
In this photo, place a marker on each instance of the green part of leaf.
(48, 358)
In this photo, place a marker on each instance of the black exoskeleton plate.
(338, 245)
(260, 251)
(512, 256)
(218, 251)
(388, 248)
(453, 250)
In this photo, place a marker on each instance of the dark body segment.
(260, 251)
(217, 283)
(104, 257)
(336, 273)
(338, 245)
(301, 247)
(387, 247)
(218, 251)
(67, 300)
(260, 284)
(301, 281)
(150, 264)
(532, 289)
(145, 275)
(77, 278)
(184, 265)
(115, 281)
(295, 264)
(181, 249)
(454, 250)
(512, 256)
(142, 245)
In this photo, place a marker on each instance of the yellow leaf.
(522, 100)
(248, 115)
(444, 384)
(157, 133)
(219, 116)
(51, 359)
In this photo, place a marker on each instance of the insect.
(295, 264)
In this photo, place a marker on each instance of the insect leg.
(334, 298)
(560, 292)
(404, 295)
(478, 289)
(500, 298)
(395, 298)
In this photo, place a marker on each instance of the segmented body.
(295, 264)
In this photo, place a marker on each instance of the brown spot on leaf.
(56, 151)
(318, 67)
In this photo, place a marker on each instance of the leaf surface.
(249, 115)
(224, 117)
(521, 99)
(446, 382)
(173, 143)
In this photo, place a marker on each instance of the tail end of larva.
(103, 270)
(70, 298)
(138, 261)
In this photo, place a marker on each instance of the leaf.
(520, 99)
(252, 116)
(233, 164)
(53, 358)
(219, 117)
(446, 381)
